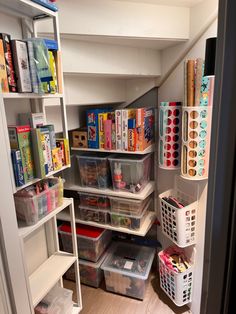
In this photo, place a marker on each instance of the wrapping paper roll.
(169, 135)
(196, 129)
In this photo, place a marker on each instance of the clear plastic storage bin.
(99, 216)
(94, 170)
(91, 273)
(128, 206)
(131, 173)
(129, 220)
(92, 241)
(31, 207)
(178, 286)
(94, 201)
(179, 224)
(126, 269)
(58, 300)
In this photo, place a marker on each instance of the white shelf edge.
(48, 274)
(149, 219)
(39, 179)
(29, 95)
(149, 189)
(25, 230)
(76, 309)
(148, 150)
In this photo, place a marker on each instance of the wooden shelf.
(48, 274)
(39, 179)
(150, 218)
(25, 230)
(29, 95)
(148, 150)
(149, 188)
(23, 8)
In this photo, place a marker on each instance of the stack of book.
(29, 66)
(35, 150)
(125, 129)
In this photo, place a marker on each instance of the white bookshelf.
(148, 150)
(30, 96)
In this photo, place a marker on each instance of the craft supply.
(190, 82)
(80, 138)
(198, 80)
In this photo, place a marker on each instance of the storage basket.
(178, 286)
(169, 135)
(179, 224)
(196, 131)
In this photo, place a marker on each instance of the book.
(56, 158)
(21, 64)
(57, 57)
(118, 122)
(66, 150)
(132, 135)
(53, 82)
(92, 125)
(107, 134)
(190, 82)
(61, 146)
(4, 88)
(48, 154)
(144, 128)
(126, 115)
(36, 87)
(38, 153)
(6, 40)
(17, 167)
(102, 117)
(51, 44)
(111, 116)
(44, 148)
(50, 128)
(20, 138)
(33, 119)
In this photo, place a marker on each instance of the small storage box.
(94, 171)
(131, 173)
(99, 216)
(58, 300)
(178, 286)
(130, 221)
(126, 269)
(90, 273)
(94, 201)
(31, 207)
(91, 241)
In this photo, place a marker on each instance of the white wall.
(173, 90)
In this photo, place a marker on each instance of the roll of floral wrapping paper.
(196, 129)
(169, 135)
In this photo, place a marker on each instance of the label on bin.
(128, 265)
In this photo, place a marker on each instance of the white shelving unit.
(43, 264)
(149, 219)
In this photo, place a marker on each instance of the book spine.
(44, 148)
(53, 82)
(125, 129)
(131, 135)
(9, 62)
(33, 69)
(48, 152)
(93, 134)
(139, 128)
(107, 133)
(56, 158)
(17, 167)
(60, 145)
(67, 151)
(4, 88)
(148, 126)
(52, 136)
(118, 122)
(38, 153)
(101, 119)
(20, 57)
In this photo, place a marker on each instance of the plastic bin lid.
(83, 230)
(129, 259)
(128, 157)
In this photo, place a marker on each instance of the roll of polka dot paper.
(169, 135)
(195, 142)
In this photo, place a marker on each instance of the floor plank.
(100, 301)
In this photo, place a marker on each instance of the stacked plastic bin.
(92, 244)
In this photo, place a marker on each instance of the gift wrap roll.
(169, 135)
(196, 130)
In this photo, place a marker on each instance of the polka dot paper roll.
(195, 142)
(169, 135)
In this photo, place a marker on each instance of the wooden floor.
(99, 301)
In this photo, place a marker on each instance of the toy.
(119, 184)
(80, 138)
